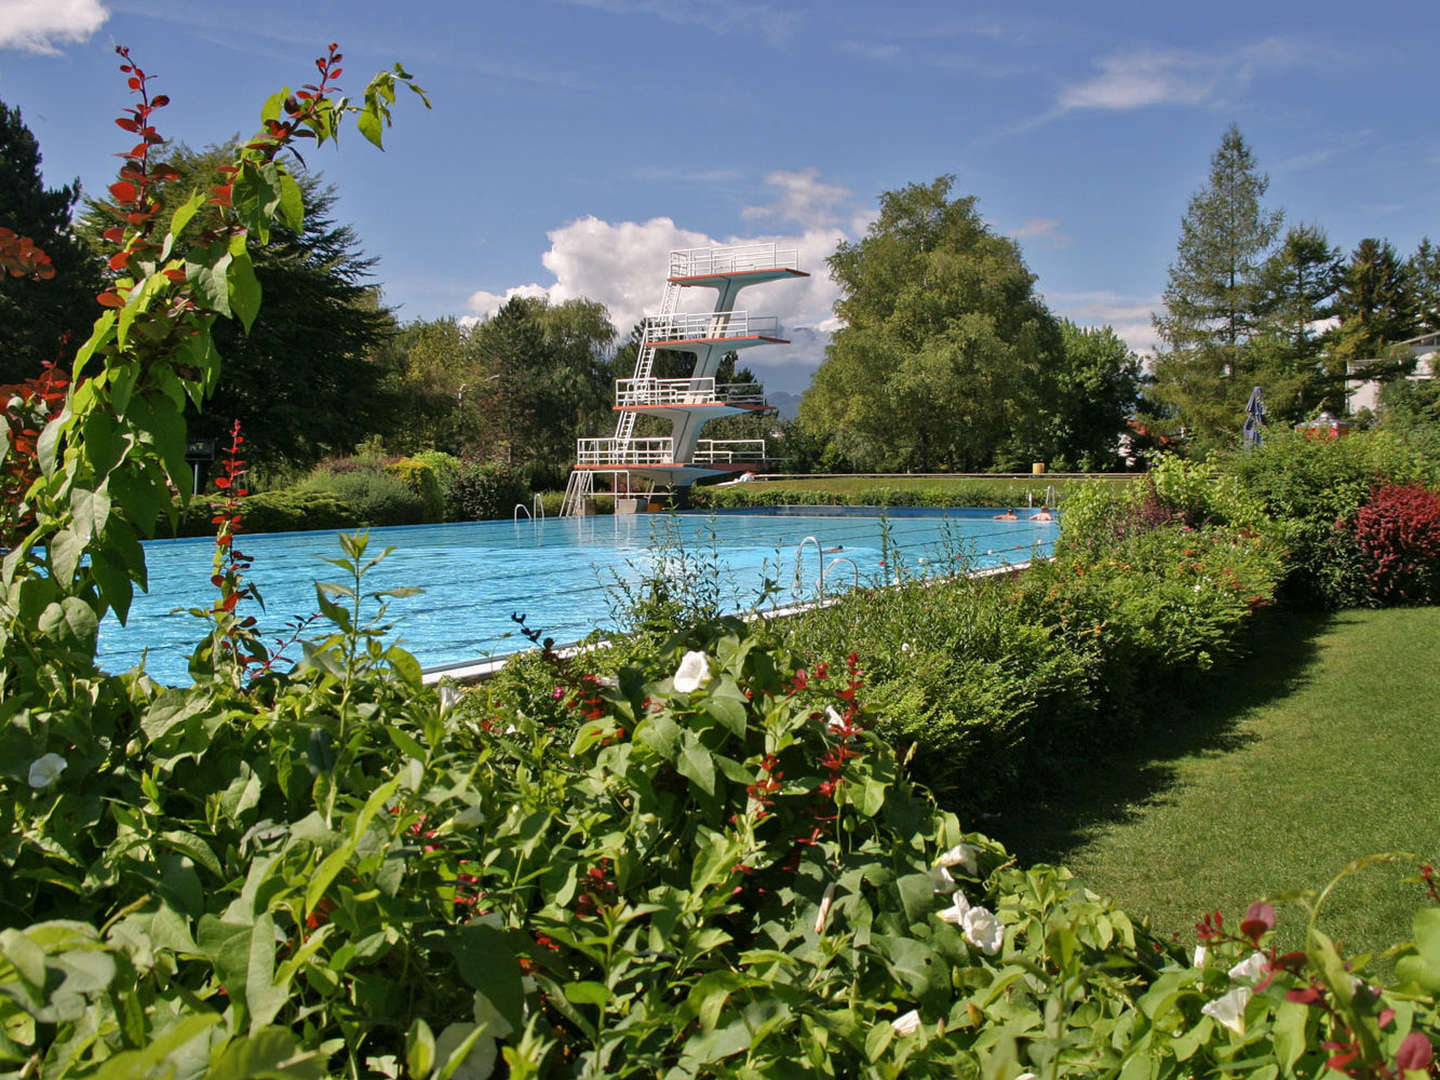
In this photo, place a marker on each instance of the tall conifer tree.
(40, 320)
(1213, 301)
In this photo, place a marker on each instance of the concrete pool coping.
(478, 670)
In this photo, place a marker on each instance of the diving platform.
(688, 404)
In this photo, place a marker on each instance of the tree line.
(947, 360)
(1251, 303)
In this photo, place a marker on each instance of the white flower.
(983, 930)
(955, 913)
(693, 672)
(1027, 1076)
(834, 722)
(1230, 1009)
(46, 769)
(449, 698)
(824, 912)
(964, 856)
(941, 880)
(1201, 953)
(907, 1024)
(1251, 969)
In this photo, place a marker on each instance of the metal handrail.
(687, 326)
(799, 564)
(837, 561)
(710, 451)
(634, 392)
(732, 259)
(539, 504)
(515, 514)
(624, 451)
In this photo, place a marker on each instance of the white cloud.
(870, 50)
(1146, 77)
(775, 25)
(1043, 230)
(623, 265)
(802, 197)
(1131, 80)
(1128, 316)
(41, 26)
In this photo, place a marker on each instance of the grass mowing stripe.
(1318, 750)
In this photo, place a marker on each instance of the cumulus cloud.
(623, 265)
(42, 26)
(802, 198)
(1128, 316)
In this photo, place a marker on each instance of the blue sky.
(574, 142)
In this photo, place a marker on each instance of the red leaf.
(1415, 1051)
(133, 83)
(222, 482)
(159, 101)
(124, 191)
(110, 299)
(115, 234)
(127, 125)
(119, 260)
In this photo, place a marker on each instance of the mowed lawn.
(1322, 748)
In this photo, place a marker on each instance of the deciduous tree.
(943, 343)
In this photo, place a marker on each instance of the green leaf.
(729, 713)
(371, 126)
(271, 1053)
(72, 623)
(420, 1049)
(89, 511)
(292, 202)
(207, 271)
(133, 1063)
(65, 549)
(587, 992)
(694, 763)
(183, 213)
(487, 961)
(245, 290)
(878, 1038)
(191, 845)
(262, 997)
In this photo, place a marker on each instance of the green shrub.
(485, 490)
(423, 481)
(286, 510)
(372, 495)
(446, 468)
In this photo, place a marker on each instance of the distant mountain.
(786, 404)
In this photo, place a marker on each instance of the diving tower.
(637, 465)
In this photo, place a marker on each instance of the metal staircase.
(689, 404)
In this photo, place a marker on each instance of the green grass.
(1318, 750)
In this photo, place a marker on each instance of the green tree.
(943, 343)
(1297, 289)
(309, 379)
(548, 370)
(1376, 305)
(1214, 300)
(41, 320)
(1425, 279)
(1093, 393)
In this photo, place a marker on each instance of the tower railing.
(734, 259)
(689, 326)
(631, 393)
(728, 451)
(624, 451)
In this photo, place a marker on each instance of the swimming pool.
(559, 572)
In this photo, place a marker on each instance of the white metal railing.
(624, 451)
(635, 392)
(687, 326)
(728, 451)
(735, 259)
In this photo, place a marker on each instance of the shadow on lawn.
(1050, 818)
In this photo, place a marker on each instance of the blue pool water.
(559, 573)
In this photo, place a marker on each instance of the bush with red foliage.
(1398, 534)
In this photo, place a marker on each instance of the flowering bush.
(1397, 533)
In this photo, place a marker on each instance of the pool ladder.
(537, 515)
(797, 584)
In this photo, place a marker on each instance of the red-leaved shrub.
(1398, 534)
